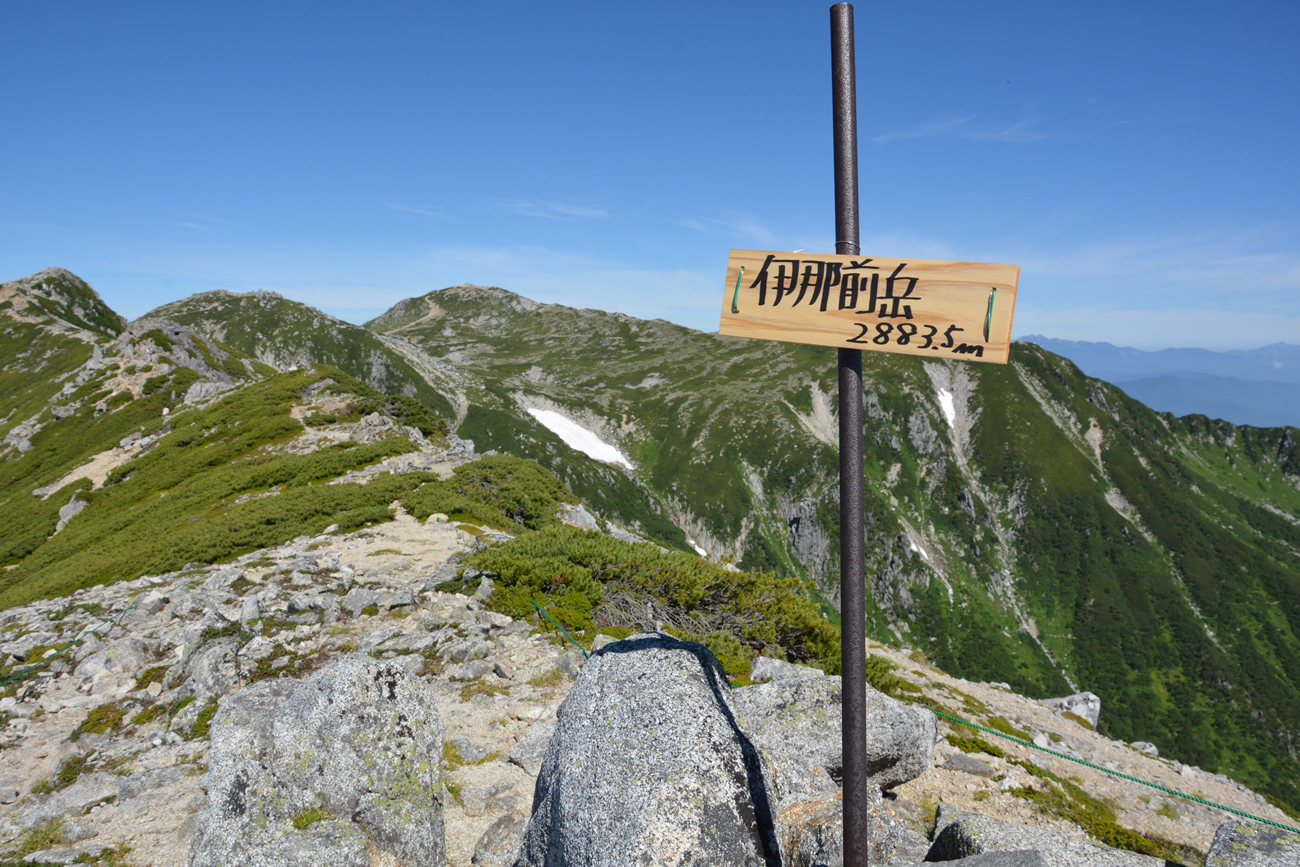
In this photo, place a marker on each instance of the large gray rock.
(365, 737)
(241, 727)
(1250, 844)
(797, 726)
(812, 831)
(959, 835)
(359, 743)
(246, 822)
(1082, 704)
(648, 766)
(1014, 858)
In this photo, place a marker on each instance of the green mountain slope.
(287, 335)
(1026, 523)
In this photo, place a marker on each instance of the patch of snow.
(911, 543)
(577, 437)
(698, 549)
(945, 403)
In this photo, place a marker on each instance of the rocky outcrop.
(812, 831)
(648, 765)
(346, 767)
(1083, 704)
(796, 724)
(1250, 844)
(959, 835)
(765, 669)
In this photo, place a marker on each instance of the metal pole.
(853, 611)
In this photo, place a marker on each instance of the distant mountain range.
(1026, 523)
(1258, 387)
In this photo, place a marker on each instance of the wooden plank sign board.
(911, 306)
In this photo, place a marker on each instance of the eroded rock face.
(354, 754)
(648, 765)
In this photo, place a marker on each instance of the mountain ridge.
(1026, 523)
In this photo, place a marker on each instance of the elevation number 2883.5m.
(913, 306)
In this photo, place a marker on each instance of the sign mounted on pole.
(911, 306)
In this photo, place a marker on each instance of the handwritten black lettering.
(784, 283)
(890, 302)
(863, 328)
(851, 284)
(849, 291)
(820, 277)
(902, 334)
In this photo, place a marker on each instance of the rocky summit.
(322, 702)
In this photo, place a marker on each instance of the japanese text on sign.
(911, 306)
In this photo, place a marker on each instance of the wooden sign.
(912, 306)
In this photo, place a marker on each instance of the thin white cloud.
(553, 210)
(741, 226)
(1251, 260)
(927, 130)
(575, 210)
(965, 128)
(1017, 132)
(414, 210)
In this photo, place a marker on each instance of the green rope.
(988, 317)
(736, 295)
(1025, 743)
(59, 652)
(585, 654)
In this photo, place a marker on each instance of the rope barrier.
(1087, 764)
(78, 640)
(1032, 746)
(585, 654)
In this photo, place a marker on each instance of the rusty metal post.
(853, 613)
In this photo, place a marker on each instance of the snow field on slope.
(577, 437)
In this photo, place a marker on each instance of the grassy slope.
(176, 504)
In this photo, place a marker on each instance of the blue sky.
(1138, 160)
